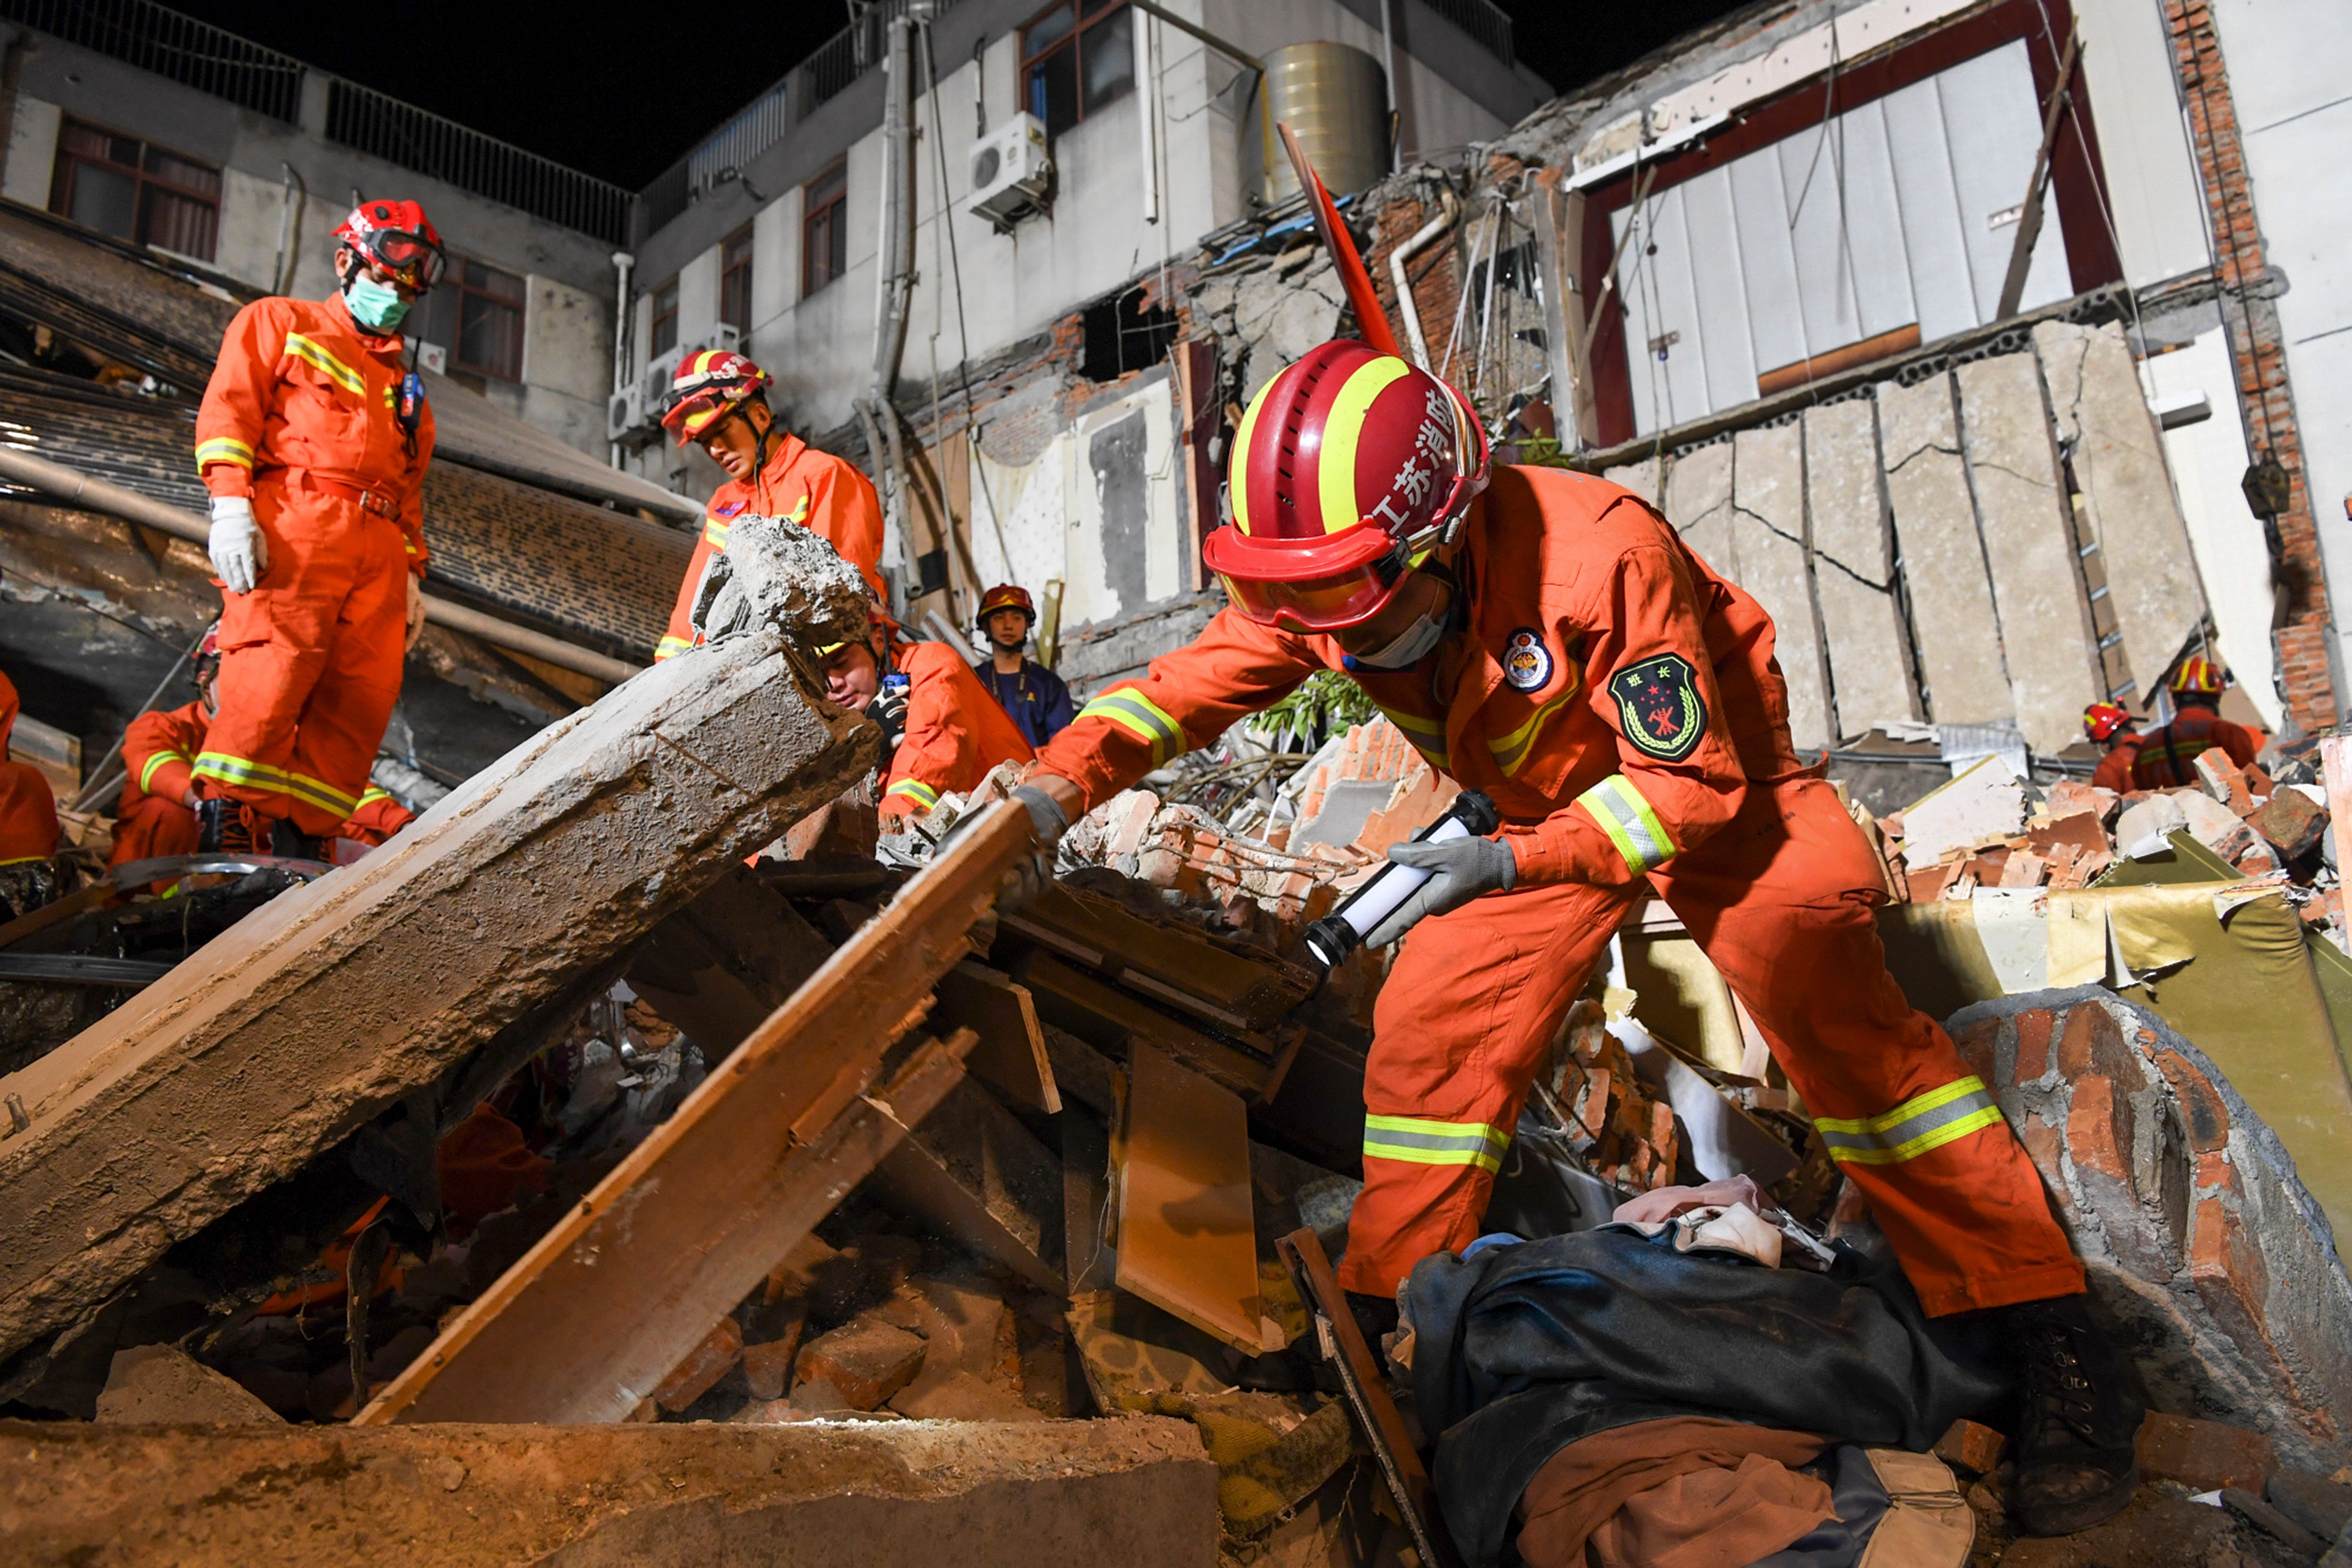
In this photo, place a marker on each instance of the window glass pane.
(489, 338)
(826, 186)
(491, 280)
(1053, 91)
(104, 200)
(665, 321)
(83, 142)
(1042, 33)
(838, 240)
(192, 177)
(1107, 49)
(176, 222)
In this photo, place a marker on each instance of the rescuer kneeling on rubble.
(1552, 642)
(941, 732)
(719, 400)
(2166, 758)
(158, 812)
(314, 439)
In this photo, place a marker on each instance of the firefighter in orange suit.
(157, 813)
(314, 439)
(719, 400)
(2167, 758)
(28, 807)
(1551, 640)
(941, 732)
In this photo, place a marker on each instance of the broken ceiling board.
(2037, 582)
(1012, 1050)
(1170, 963)
(298, 1025)
(699, 1211)
(1943, 558)
(1683, 997)
(1111, 1020)
(979, 1177)
(1768, 523)
(1854, 568)
(2096, 402)
(1698, 503)
(718, 967)
(1138, 1491)
(1187, 1241)
(1985, 800)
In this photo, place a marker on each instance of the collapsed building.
(553, 1185)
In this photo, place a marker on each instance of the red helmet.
(707, 385)
(1349, 467)
(2100, 720)
(398, 237)
(1006, 596)
(2198, 674)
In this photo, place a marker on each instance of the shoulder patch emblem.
(1659, 707)
(1526, 663)
(729, 509)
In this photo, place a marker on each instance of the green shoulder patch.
(1659, 707)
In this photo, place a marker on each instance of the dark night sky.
(623, 102)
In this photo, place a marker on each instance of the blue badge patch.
(1526, 663)
(729, 509)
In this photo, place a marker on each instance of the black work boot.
(2079, 1410)
(288, 842)
(223, 827)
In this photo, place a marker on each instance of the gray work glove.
(1464, 868)
(1030, 874)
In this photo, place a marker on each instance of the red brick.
(2098, 1129)
(768, 1368)
(2033, 1044)
(2215, 1171)
(703, 1367)
(2202, 1109)
(2092, 1043)
(2228, 1271)
(1970, 1448)
(865, 1360)
(2204, 1456)
(1978, 1043)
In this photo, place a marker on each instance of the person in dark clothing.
(1034, 696)
(2167, 758)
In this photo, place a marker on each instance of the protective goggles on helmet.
(1343, 583)
(413, 260)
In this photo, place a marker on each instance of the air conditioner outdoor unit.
(1012, 172)
(726, 338)
(625, 416)
(660, 371)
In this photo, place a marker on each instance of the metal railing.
(759, 126)
(370, 121)
(1488, 24)
(191, 53)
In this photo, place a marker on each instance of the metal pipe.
(1388, 77)
(289, 228)
(1449, 214)
(1230, 51)
(622, 263)
(73, 489)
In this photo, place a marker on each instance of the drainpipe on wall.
(294, 198)
(1146, 118)
(894, 271)
(1449, 214)
(622, 262)
(1388, 77)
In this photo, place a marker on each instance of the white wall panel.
(1723, 346)
(1943, 287)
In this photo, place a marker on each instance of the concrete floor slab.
(1962, 668)
(1854, 568)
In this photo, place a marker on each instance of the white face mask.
(1409, 646)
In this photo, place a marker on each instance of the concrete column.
(314, 103)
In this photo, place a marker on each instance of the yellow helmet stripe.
(1335, 466)
(1238, 465)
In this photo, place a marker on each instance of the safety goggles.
(691, 416)
(414, 261)
(1341, 599)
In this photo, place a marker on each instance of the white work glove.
(415, 609)
(239, 553)
(1463, 868)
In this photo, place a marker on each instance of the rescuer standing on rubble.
(1034, 696)
(28, 807)
(314, 439)
(719, 399)
(157, 813)
(1552, 642)
(2167, 758)
(941, 732)
(2108, 724)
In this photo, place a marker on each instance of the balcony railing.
(191, 53)
(1487, 23)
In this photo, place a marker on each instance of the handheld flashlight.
(1331, 939)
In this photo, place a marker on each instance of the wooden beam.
(1167, 964)
(590, 1320)
(1012, 1050)
(1187, 1238)
(1108, 1019)
(722, 965)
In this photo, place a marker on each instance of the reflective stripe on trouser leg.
(1426, 1142)
(1925, 1122)
(1631, 826)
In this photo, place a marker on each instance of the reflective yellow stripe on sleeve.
(335, 370)
(147, 773)
(1129, 709)
(714, 532)
(670, 647)
(1631, 824)
(223, 449)
(921, 794)
(1420, 1142)
(371, 795)
(1925, 1122)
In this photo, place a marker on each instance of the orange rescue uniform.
(816, 489)
(159, 752)
(300, 415)
(1620, 703)
(955, 731)
(28, 807)
(2167, 758)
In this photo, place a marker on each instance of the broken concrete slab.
(1854, 568)
(779, 577)
(1698, 503)
(1986, 800)
(314, 1015)
(2204, 1246)
(163, 1385)
(1943, 557)
(1138, 1491)
(2029, 547)
(2096, 402)
(1768, 523)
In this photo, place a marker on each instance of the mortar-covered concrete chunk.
(774, 573)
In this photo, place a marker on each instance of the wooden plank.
(722, 965)
(1168, 964)
(1187, 1241)
(697, 1213)
(978, 1176)
(1111, 1020)
(1012, 1050)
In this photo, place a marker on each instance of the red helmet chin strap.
(1371, 320)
